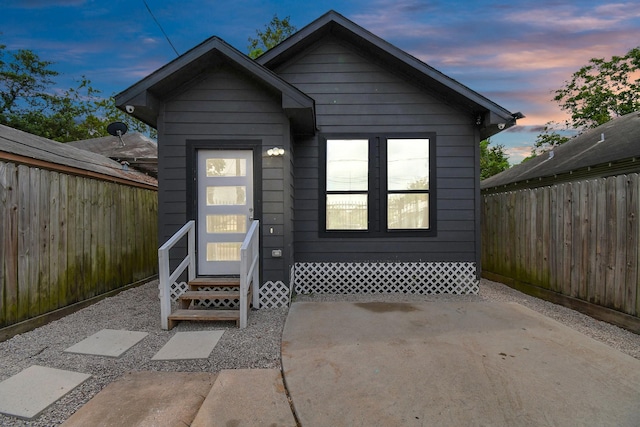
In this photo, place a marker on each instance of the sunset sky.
(515, 53)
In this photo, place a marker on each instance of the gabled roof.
(145, 96)
(23, 147)
(490, 113)
(611, 148)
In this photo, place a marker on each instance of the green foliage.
(30, 102)
(602, 90)
(492, 160)
(547, 140)
(23, 77)
(275, 32)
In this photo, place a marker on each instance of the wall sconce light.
(275, 151)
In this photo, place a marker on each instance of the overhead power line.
(160, 26)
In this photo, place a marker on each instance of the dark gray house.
(360, 161)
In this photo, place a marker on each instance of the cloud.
(518, 154)
(521, 129)
(576, 18)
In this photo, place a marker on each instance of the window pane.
(225, 251)
(226, 224)
(408, 211)
(407, 164)
(231, 195)
(347, 165)
(226, 167)
(347, 212)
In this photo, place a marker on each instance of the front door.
(225, 208)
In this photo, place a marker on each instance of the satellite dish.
(117, 129)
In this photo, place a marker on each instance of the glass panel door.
(225, 208)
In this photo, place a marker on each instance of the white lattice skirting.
(402, 277)
(272, 295)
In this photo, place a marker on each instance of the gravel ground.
(257, 346)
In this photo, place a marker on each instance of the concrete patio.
(451, 364)
(376, 362)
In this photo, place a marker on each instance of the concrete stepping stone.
(246, 397)
(27, 394)
(107, 342)
(146, 399)
(189, 345)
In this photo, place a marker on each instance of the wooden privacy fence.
(67, 238)
(579, 239)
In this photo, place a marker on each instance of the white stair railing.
(165, 275)
(249, 270)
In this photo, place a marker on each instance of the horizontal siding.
(354, 95)
(224, 105)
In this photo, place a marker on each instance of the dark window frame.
(377, 190)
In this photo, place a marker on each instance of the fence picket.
(10, 242)
(621, 241)
(61, 239)
(631, 276)
(580, 239)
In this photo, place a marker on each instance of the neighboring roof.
(24, 147)
(491, 114)
(145, 96)
(140, 151)
(611, 148)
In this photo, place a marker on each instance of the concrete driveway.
(451, 364)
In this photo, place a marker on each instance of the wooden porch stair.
(227, 289)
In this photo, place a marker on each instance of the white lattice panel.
(401, 277)
(222, 303)
(274, 294)
(176, 289)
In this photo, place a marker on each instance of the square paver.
(107, 342)
(189, 345)
(36, 388)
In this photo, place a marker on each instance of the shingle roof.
(610, 144)
(25, 145)
(140, 151)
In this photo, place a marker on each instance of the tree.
(24, 79)
(492, 160)
(602, 90)
(547, 140)
(275, 32)
(30, 102)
